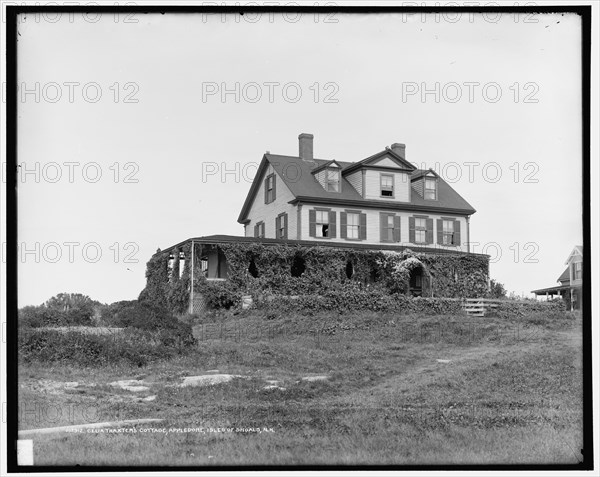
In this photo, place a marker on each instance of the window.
(430, 188)
(387, 185)
(322, 223)
(577, 271)
(259, 230)
(420, 230)
(281, 226)
(447, 232)
(204, 266)
(353, 226)
(270, 188)
(181, 263)
(389, 227)
(332, 180)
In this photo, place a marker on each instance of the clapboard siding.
(386, 161)
(320, 176)
(267, 213)
(355, 180)
(418, 186)
(373, 227)
(401, 186)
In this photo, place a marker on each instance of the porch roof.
(225, 239)
(554, 290)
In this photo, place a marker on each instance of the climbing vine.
(263, 270)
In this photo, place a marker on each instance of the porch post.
(192, 281)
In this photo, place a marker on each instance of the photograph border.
(12, 12)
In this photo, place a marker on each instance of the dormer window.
(387, 185)
(332, 180)
(430, 188)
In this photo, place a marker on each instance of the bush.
(219, 295)
(64, 309)
(517, 309)
(130, 346)
(38, 316)
(146, 317)
(359, 300)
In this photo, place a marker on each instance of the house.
(382, 199)
(569, 282)
(330, 221)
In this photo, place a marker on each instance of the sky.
(138, 133)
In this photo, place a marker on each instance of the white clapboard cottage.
(381, 200)
(380, 204)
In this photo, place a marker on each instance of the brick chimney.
(306, 146)
(399, 149)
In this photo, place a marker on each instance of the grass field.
(502, 392)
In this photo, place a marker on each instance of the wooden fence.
(479, 306)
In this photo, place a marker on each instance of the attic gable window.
(387, 185)
(577, 271)
(270, 189)
(332, 180)
(430, 188)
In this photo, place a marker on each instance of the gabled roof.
(372, 160)
(564, 276)
(577, 250)
(422, 172)
(447, 197)
(298, 176)
(332, 163)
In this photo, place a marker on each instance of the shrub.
(143, 316)
(359, 300)
(517, 309)
(219, 295)
(38, 316)
(131, 346)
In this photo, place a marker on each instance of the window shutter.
(285, 225)
(363, 226)
(266, 189)
(332, 224)
(440, 231)
(396, 228)
(312, 221)
(383, 227)
(277, 225)
(456, 238)
(343, 225)
(411, 229)
(429, 233)
(274, 187)
(256, 230)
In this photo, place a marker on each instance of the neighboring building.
(570, 281)
(382, 199)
